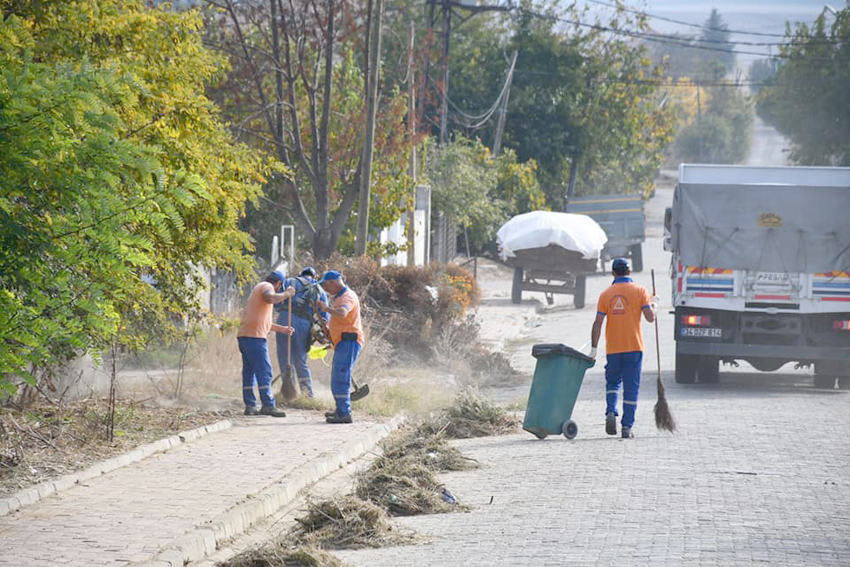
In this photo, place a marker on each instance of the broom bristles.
(663, 415)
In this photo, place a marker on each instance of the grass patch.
(307, 403)
(387, 399)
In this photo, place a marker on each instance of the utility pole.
(571, 188)
(411, 131)
(369, 138)
(500, 125)
(699, 124)
(444, 100)
(447, 7)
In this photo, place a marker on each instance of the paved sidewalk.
(129, 514)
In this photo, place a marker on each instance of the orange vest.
(623, 304)
(257, 317)
(351, 322)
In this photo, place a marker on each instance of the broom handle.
(289, 337)
(657, 342)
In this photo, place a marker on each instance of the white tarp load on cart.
(539, 229)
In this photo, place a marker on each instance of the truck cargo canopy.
(776, 219)
(539, 229)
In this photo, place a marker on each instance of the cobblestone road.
(128, 514)
(757, 475)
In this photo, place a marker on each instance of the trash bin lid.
(557, 349)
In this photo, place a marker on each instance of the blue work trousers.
(256, 369)
(300, 342)
(623, 367)
(345, 355)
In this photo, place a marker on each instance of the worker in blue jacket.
(307, 292)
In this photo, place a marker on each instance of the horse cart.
(551, 253)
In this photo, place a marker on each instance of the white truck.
(761, 270)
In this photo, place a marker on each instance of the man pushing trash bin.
(623, 303)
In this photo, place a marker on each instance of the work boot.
(330, 414)
(610, 423)
(627, 433)
(251, 410)
(336, 418)
(272, 411)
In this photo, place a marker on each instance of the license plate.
(772, 278)
(711, 332)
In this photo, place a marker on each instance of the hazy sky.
(764, 16)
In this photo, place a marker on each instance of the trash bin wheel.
(569, 429)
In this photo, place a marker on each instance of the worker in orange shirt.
(623, 303)
(253, 344)
(346, 334)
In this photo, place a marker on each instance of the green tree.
(116, 170)
(761, 71)
(476, 190)
(722, 134)
(806, 100)
(577, 93)
(720, 59)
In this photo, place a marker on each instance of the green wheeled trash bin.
(557, 381)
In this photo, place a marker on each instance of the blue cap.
(278, 275)
(309, 271)
(621, 266)
(330, 275)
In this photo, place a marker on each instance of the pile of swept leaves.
(471, 415)
(347, 523)
(282, 554)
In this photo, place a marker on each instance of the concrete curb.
(35, 493)
(203, 540)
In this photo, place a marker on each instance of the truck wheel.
(844, 382)
(578, 294)
(708, 370)
(686, 368)
(825, 381)
(516, 289)
(637, 257)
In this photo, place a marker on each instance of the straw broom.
(663, 416)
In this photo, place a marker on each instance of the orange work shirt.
(257, 317)
(350, 323)
(623, 304)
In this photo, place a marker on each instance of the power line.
(485, 116)
(671, 20)
(657, 38)
(718, 41)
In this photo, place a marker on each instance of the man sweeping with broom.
(623, 303)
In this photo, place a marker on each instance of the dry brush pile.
(423, 312)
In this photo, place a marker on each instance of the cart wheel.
(569, 429)
(516, 288)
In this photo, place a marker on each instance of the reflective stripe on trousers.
(256, 369)
(623, 367)
(345, 355)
